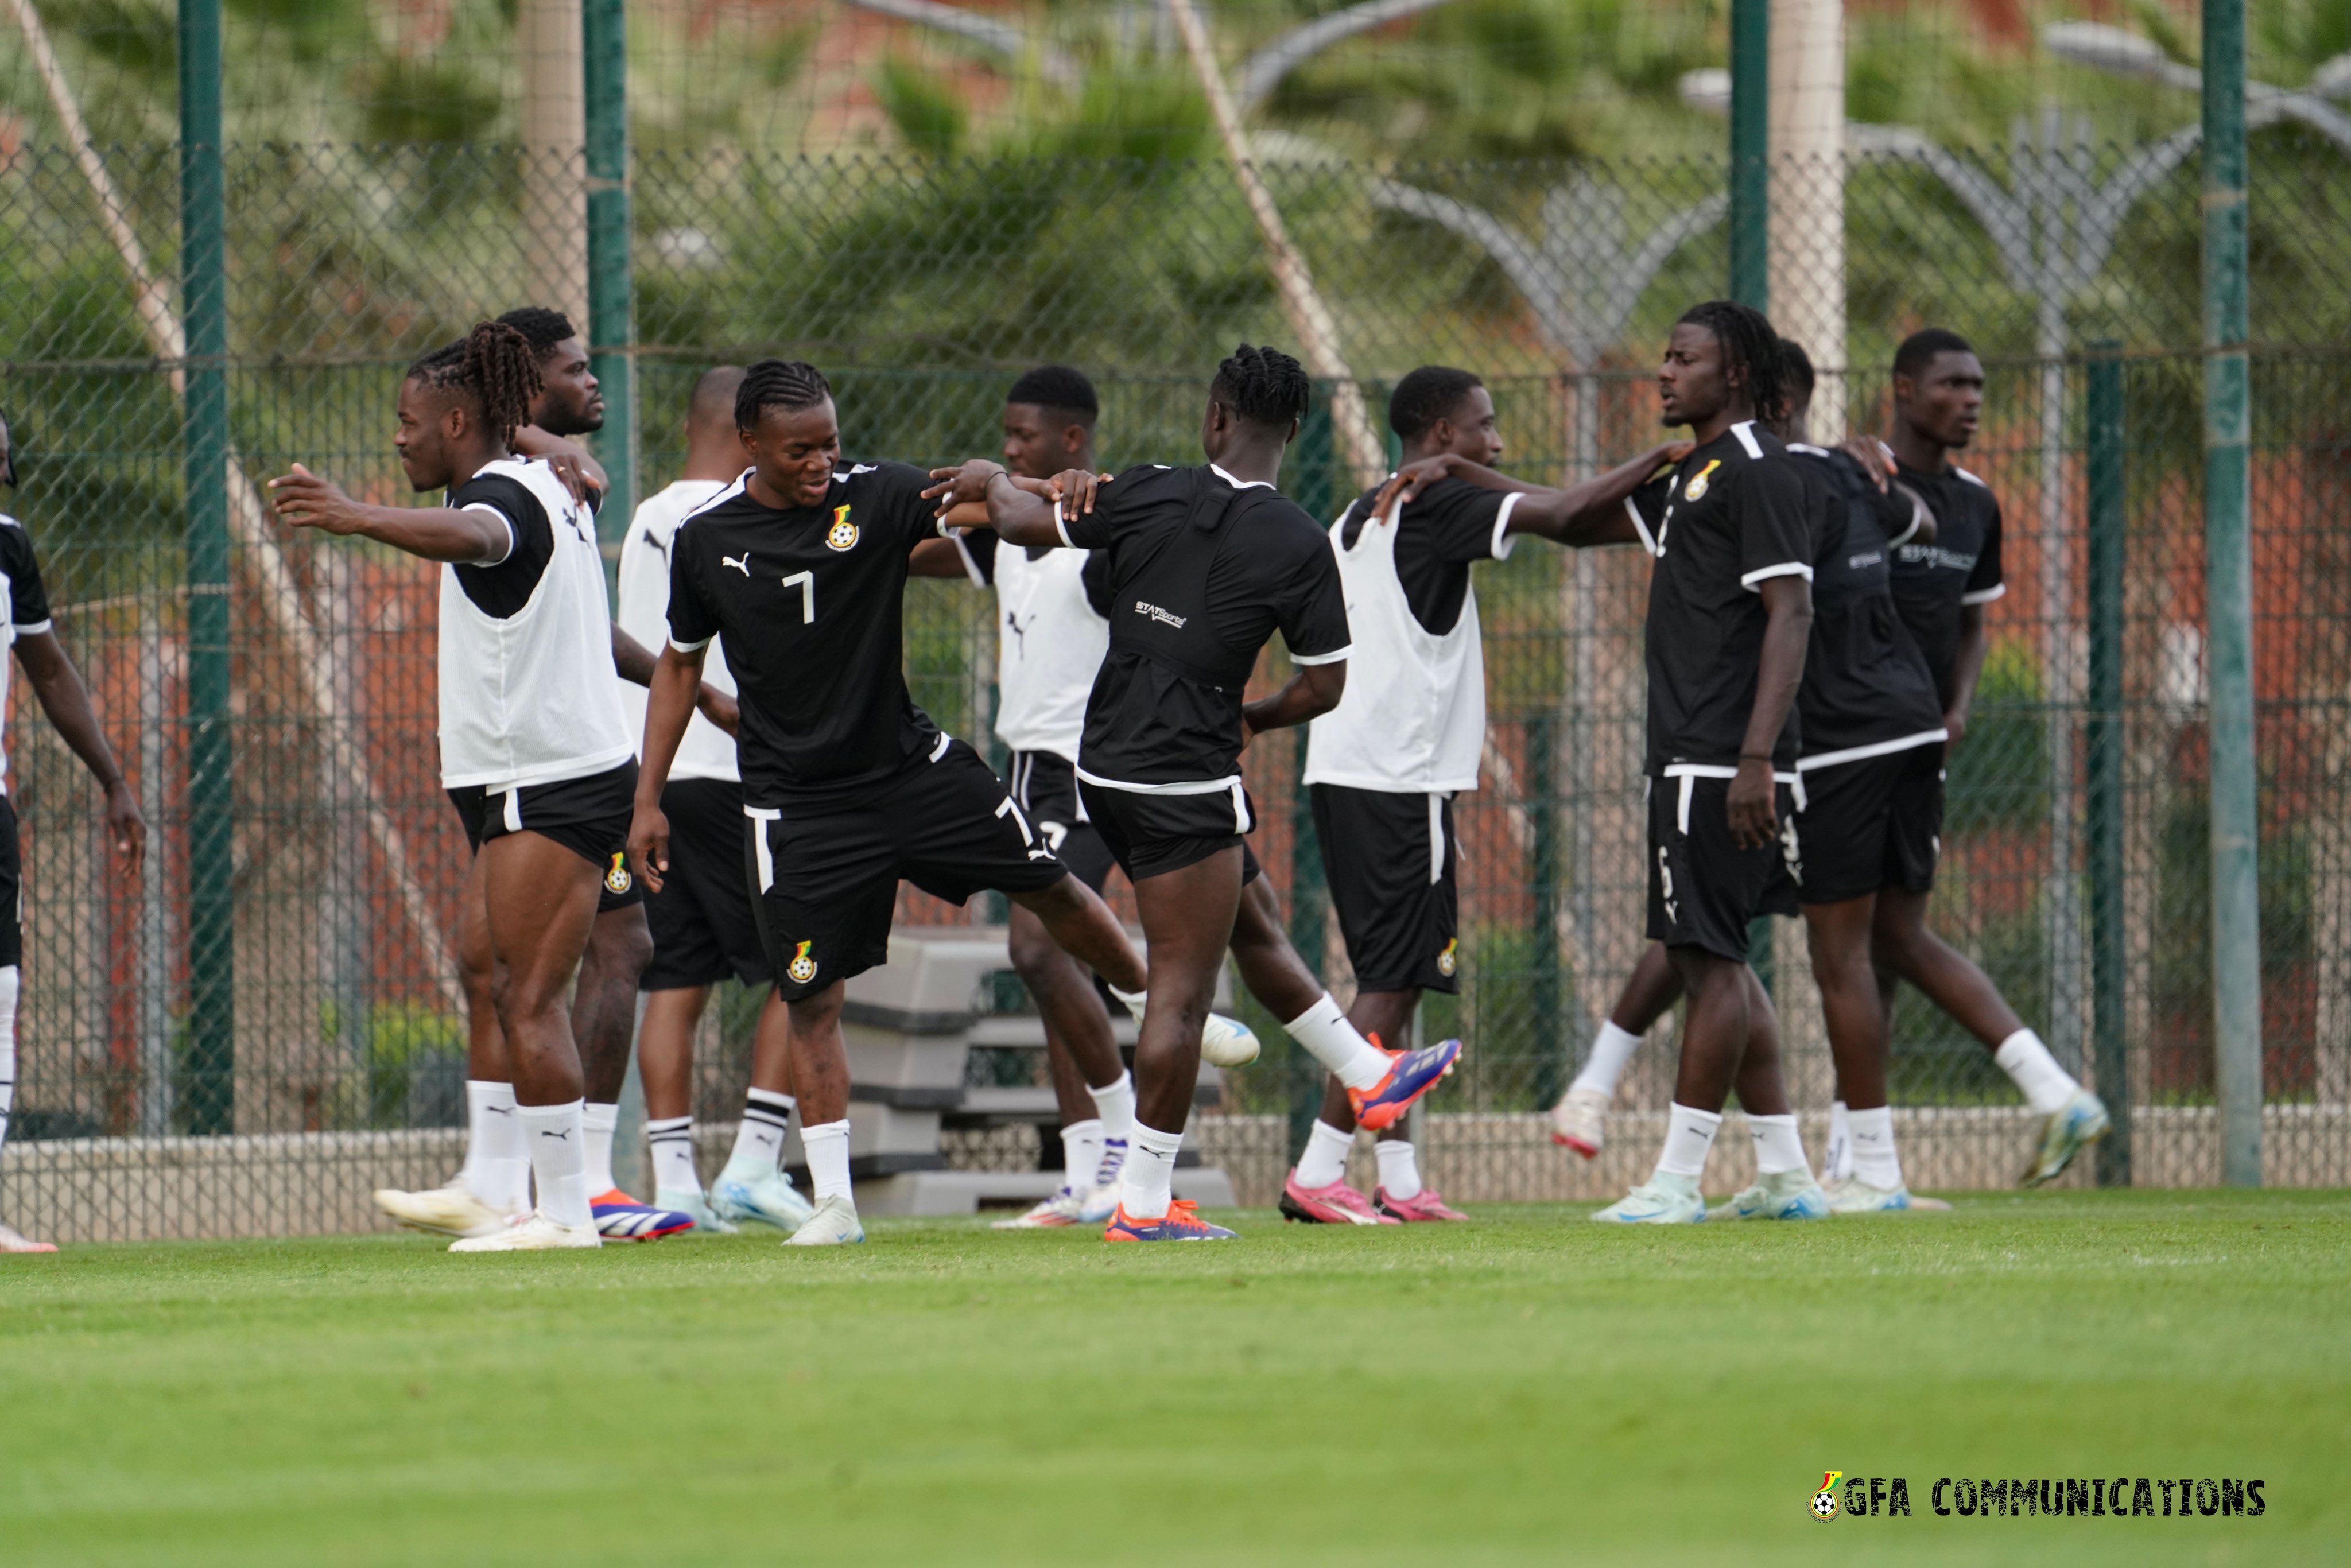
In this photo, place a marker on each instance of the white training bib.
(1050, 647)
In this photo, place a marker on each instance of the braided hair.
(1750, 343)
(1264, 386)
(494, 365)
(788, 384)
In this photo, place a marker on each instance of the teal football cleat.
(696, 1205)
(2079, 1122)
(1662, 1200)
(1782, 1194)
(1853, 1195)
(769, 1199)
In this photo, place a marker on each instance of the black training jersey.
(1727, 517)
(23, 608)
(810, 601)
(1439, 534)
(1866, 687)
(1932, 583)
(1202, 571)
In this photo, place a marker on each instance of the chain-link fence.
(2075, 860)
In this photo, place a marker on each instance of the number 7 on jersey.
(807, 579)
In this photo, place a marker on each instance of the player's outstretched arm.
(66, 700)
(457, 536)
(573, 464)
(1019, 510)
(1584, 514)
(669, 704)
(1787, 604)
(633, 662)
(1312, 692)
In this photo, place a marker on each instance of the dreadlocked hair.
(494, 365)
(1749, 343)
(542, 326)
(788, 384)
(1264, 386)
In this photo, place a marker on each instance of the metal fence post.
(211, 1066)
(2227, 567)
(2105, 736)
(611, 289)
(1750, 138)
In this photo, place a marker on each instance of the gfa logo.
(843, 533)
(1824, 1501)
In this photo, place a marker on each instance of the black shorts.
(1046, 786)
(589, 816)
(704, 926)
(1869, 824)
(1703, 888)
(11, 888)
(1151, 835)
(828, 878)
(1389, 861)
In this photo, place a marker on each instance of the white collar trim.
(1238, 484)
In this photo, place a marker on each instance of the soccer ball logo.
(1824, 1501)
(617, 879)
(843, 533)
(802, 968)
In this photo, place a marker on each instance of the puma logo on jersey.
(743, 566)
(1164, 617)
(843, 533)
(1020, 632)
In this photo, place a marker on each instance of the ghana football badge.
(1448, 961)
(843, 533)
(1824, 1501)
(802, 968)
(1694, 491)
(617, 879)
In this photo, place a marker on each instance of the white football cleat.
(833, 1223)
(768, 1199)
(1580, 1122)
(1064, 1208)
(15, 1240)
(448, 1210)
(537, 1234)
(1227, 1043)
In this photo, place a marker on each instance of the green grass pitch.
(1529, 1388)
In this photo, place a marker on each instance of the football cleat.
(1662, 1199)
(449, 1211)
(620, 1217)
(1424, 1205)
(1579, 1121)
(1410, 1075)
(1337, 1204)
(768, 1199)
(15, 1240)
(1853, 1195)
(2079, 1122)
(832, 1223)
(1227, 1043)
(1062, 1209)
(1182, 1222)
(1100, 1201)
(696, 1206)
(1782, 1194)
(535, 1234)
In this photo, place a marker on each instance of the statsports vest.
(1413, 718)
(530, 699)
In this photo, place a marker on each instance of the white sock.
(1323, 1160)
(759, 1141)
(497, 1165)
(1836, 1160)
(1778, 1145)
(11, 981)
(1874, 1159)
(828, 1156)
(1689, 1135)
(672, 1146)
(1115, 1106)
(598, 1121)
(2027, 1063)
(1132, 1000)
(558, 1159)
(1081, 1152)
(1399, 1168)
(1150, 1182)
(1612, 1048)
(1332, 1041)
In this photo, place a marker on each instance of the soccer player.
(1053, 628)
(1204, 564)
(1729, 616)
(25, 611)
(1408, 734)
(800, 565)
(529, 716)
(1941, 590)
(704, 927)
